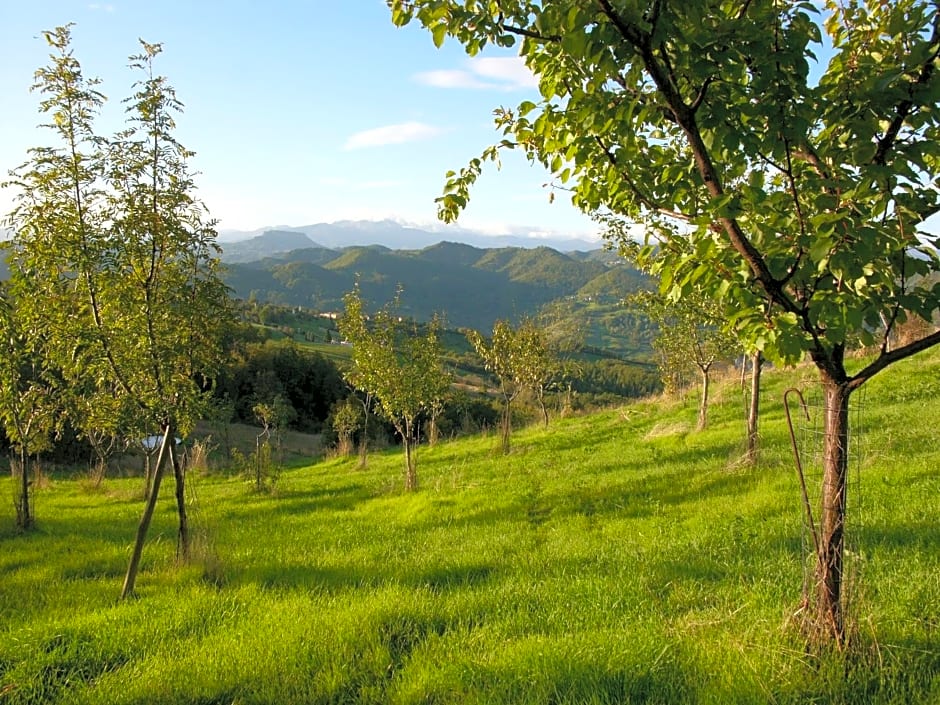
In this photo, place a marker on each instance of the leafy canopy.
(782, 156)
(402, 369)
(114, 265)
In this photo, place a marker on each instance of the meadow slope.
(612, 558)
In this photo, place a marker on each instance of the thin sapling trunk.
(130, 579)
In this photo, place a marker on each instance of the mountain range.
(470, 286)
(400, 236)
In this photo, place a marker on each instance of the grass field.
(613, 558)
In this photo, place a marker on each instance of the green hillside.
(471, 287)
(613, 558)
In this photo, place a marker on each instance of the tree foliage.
(260, 372)
(794, 192)
(27, 406)
(112, 252)
(402, 369)
(691, 335)
(520, 360)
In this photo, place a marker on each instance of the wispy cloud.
(490, 73)
(102, 7)
(451, 78)
(392, 134)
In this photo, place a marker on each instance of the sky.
(299, 112)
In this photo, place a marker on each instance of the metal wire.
(808, 435)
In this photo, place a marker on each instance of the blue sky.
(299, 112)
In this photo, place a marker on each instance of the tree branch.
(635, 189)
(904, 108)
(685, 117)
(523, 32)
(888, 358)
(630, 32)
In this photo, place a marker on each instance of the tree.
(113, 256)
(564, 333)
(272, 415)
(520, 360)
(537, 366)
(347, 419)
(401, 369)
(26, 407)
(691, 333)
(797, 197)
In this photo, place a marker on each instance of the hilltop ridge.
(469, 285)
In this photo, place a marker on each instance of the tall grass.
(614, 558)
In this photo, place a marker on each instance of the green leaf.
(438, 33)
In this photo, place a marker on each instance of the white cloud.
(493, 73)
(451, 78)
(392, 134)
(101, 6)
(511, 69)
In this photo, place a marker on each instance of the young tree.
(520, 359)
(26, 407)
(691, 333)
(497, 358)
(402, 370)
(272, 415)
(538, 367)
(347, 419)
(796, 197)
(113, 254)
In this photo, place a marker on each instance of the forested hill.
(471, 286)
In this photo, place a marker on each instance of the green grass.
(614, 558)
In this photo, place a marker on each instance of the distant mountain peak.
(399, 235)
(268, 243)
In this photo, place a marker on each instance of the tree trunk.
(433, 431)
(753, 442)
(703, 404)
(411, 475)
(541, 398)
(130, 578)
(148, 474)
(258, 463)
(830, 561)
(364, 439)
(505, 427)
(182, 541)
(24, 516)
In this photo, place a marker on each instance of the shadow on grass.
(336, 498)
(338, 578)
(648, 496)
(633, 498)
(919, 535)
(668, 683)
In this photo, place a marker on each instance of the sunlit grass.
(614, 558)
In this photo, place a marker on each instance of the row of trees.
(400, 367)
(115, 314)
